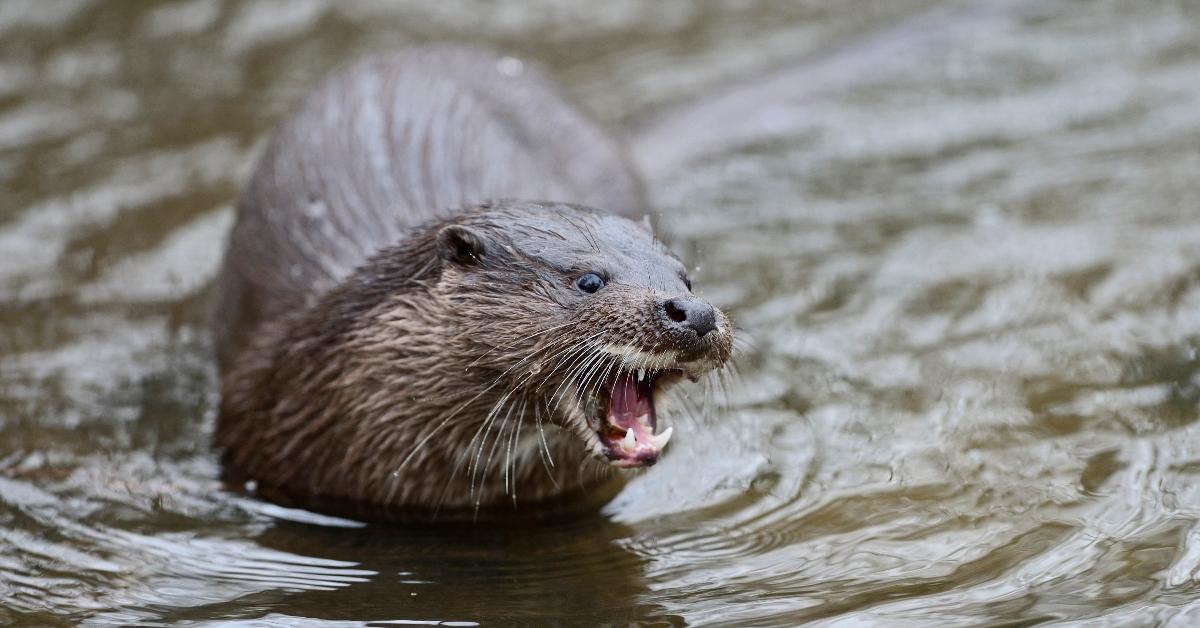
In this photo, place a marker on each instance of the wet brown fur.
(448, 373)
(379, 393)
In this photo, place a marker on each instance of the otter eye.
(589, 282)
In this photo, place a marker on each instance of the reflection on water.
(972, 289)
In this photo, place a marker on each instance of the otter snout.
(690, 314)
(694, 329)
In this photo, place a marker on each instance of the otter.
(406, 327)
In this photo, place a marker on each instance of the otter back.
(392, 142)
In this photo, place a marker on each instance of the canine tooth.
(641, 374)
(630, 440)
(660, 440)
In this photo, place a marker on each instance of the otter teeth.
(629, 443)
(660, 440)
(641, 374)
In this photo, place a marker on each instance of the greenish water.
(970, 281)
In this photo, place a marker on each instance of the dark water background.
(971, 282)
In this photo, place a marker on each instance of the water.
(970, 280)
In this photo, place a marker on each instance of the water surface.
(971, 285)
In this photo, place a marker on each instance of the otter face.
(595, 318)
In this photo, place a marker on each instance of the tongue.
(631, 404)
(628, 437)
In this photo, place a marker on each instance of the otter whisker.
(585, 357)
(510, 469)
(522, 382)
(485, 429)
(579, 348)
(473, 459)
(508, 454)
(735, 375)
(516, 342)
(587, 346)
(598, 366)
(487, 466)
(742, 345)
(455, 412)
(630, 355)
(567, 361)
(583, 375)
(466, 457)
(571, 375)
(441, 425)
(487, 424)
(482, 470)
(537, 414)
(689, 409)
(564, 386)
(726, 382)
(602, 372)
(599, 370)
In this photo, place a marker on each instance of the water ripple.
(971, 290)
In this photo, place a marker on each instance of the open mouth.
(628, 420)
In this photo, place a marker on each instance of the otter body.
(389, 336)
(393, 142)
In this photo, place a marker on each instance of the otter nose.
(692, 314)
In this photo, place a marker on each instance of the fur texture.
(386, 339)
(443, 377)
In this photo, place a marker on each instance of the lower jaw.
(628, 463)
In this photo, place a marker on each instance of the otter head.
(576, 318)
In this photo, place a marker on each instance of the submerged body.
(390, 337)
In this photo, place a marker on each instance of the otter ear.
(461, 245)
